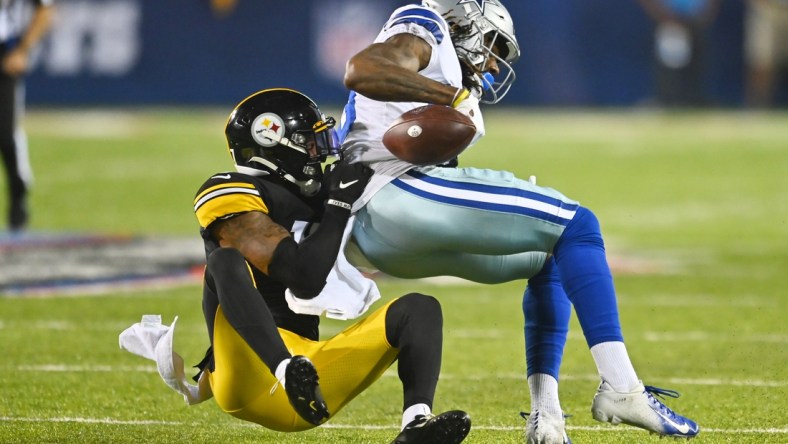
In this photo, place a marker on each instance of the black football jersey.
(225, 195)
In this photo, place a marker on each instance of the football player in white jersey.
(483, 225)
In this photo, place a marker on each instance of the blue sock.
(547, 311)
(586, 278)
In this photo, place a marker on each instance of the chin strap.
(308, 187)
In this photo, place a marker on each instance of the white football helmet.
(476, 26)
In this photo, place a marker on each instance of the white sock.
(614, 366)
(280, 371)
(544, 393)
(412, 412)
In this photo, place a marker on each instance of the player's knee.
(423, 307)
(413, 314)
(583, 228)
(589, 219)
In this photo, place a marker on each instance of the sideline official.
(19, 35)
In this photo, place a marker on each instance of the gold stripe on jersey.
(203, 194)
(225, 199)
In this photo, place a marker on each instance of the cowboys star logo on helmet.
(481, 3)
(267, 121)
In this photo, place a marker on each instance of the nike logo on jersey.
(221, 176)
(343, 185)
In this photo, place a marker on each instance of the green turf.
(694, 208)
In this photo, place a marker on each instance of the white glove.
(469, 105)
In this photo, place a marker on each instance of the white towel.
(347, 294)
(152, 340)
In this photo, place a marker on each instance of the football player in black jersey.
(278, 139)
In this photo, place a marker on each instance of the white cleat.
(545, 428)
(640, 408)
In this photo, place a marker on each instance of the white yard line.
(649, 336)
(451, 333)
(67, 368)
(90, 421)
(704, 336)
(111, 421)
(595, 378)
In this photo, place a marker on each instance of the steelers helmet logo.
(266, 125)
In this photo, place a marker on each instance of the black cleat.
(18, 216)
(303, 391)
(447, 428)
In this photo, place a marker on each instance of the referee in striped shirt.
(19, 34)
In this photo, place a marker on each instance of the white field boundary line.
(111, 421)
(452, 333)
(64, 368)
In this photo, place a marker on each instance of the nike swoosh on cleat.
(682, 428)
(312, 405)
(343, 185)
(221, 176)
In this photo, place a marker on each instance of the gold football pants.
(347, 364)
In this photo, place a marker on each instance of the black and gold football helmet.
(281, 131)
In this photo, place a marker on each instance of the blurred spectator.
(680, 48)
(766, 49)
(18, 37)
(223, 8)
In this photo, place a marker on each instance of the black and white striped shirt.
(14, 17)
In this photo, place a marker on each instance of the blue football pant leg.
(547, 311)
(586, 278)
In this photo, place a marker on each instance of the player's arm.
(254, 234)
(269, 247)
(388, 72)
(16, 62)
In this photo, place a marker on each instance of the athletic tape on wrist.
(338, 203)
(459, 96)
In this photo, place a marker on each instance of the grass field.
(695, 212)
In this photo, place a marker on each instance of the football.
(429, 135)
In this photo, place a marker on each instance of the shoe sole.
(614, 420)
(305, 372)
(449, 428)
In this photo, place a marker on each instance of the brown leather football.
(429, 135)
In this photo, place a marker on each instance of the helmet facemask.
(480, 31)
(474, 52)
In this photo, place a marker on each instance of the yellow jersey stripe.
(222, 185)
(226, 204)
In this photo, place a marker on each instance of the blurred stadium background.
(131, 52)
(126, 108)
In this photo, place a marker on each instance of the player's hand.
(468, 104)
(345, 182)
(15, 63)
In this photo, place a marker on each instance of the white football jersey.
(365, 120)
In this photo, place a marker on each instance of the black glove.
(345, 182)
